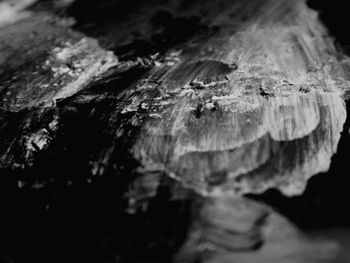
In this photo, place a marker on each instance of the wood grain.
(171, 116)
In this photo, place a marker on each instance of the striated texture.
(264, 111)
(135, 136)
(60, 71)
(65, 62)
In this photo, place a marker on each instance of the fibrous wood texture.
(140, 128)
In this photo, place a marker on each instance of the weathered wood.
(139, 133)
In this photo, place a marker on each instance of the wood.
(141, 133)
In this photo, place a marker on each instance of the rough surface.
(261, 109)
(135, 136)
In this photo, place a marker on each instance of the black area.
(77, 216)
(86, 223)
(101, 19)
(198, 111)
(91, 14)
(171, 32)
(335, 15)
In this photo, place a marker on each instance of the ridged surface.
(135, 136)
